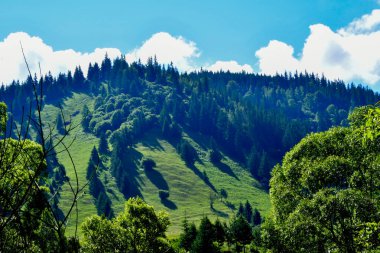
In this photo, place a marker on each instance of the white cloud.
(277, 57)
(182, 53)
(231, 66)
(167, 49)
(367, 23)
(350, 54)
(12, 64)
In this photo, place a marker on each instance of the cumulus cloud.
(350, 54)
(367, 23)
(277, 57)
(167, 49)
(231, 66)
(182, 53)
(12, 64)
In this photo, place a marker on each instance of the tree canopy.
(326, 193)
(137, 229)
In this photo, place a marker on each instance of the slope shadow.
(130, 184)
(226, 169)
(219, 213)
(230, 205)
(56, 101)
(201, 176)
(157, 179)
(195, 170)
(169, 204)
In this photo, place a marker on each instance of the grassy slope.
(80, 152)
(189, 194)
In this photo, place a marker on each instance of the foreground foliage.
(211, 237)
(138, 229)
(326, 194)
(29, 218)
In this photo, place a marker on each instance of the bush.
(148, 164)
(102, 127)
(163, 194)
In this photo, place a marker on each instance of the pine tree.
(240, 211)
(94, 158)
(187, 152)
(78, 79)
(91, 171)
(256, 218)
(60, 124)
(95, 186)
(103, 205)
(103, 145)
(93, 164)
(253, 162)
(220, 233)
(205, 237)
(188, 236)
(241, 231)
(105, 70)
(248, 211)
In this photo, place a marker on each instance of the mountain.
(204, 132)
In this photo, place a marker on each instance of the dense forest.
(324, 192)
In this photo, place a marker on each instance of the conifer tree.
(91, 170)
(187, 152)
(256, 218)
(60, 124)
(94, 158)
(103, 145)
(241, 232)
(105, 68)
(78, 79)
(205, 237)
(248, 211)
(240, 211)
(188, 235)
(220, 233)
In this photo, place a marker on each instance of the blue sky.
(223, 30)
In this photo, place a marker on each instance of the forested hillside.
(253, 118)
